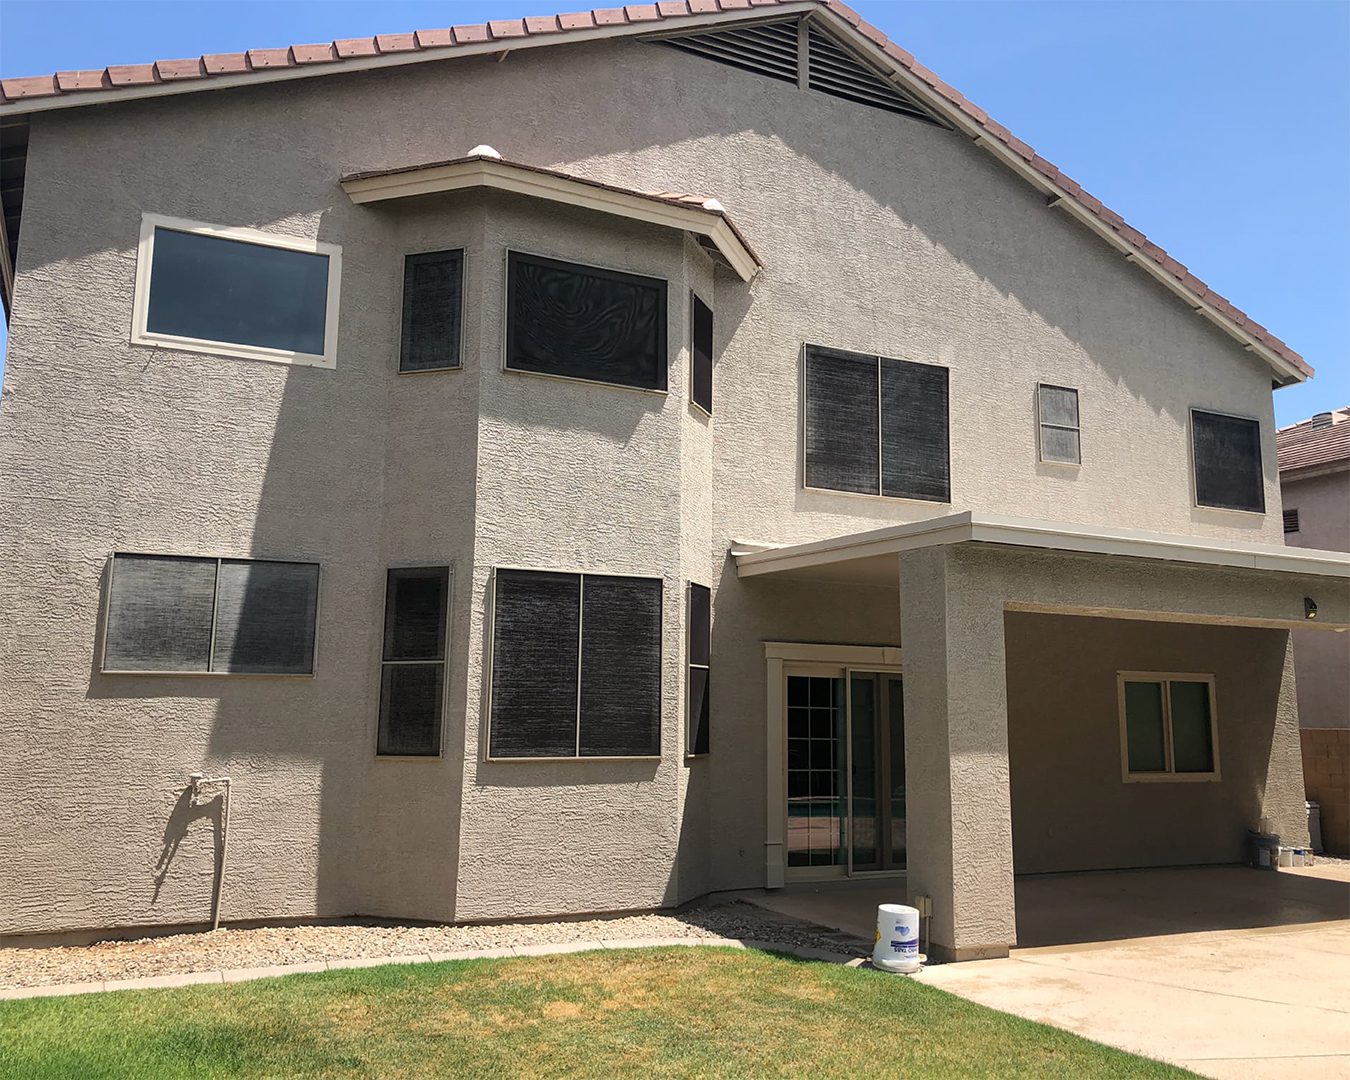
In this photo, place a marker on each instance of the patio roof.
(869, 557)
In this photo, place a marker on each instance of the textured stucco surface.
(877, 234)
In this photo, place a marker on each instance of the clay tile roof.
(104, 85)
(1314, 444)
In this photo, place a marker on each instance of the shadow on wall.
(186, 810)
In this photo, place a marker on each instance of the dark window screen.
(701, 354)
(161, 610)
(432, 299)
(159, 614)
(620, 667)
(265, 617)
(700, 657)
(914, 455)
(536, 627)
(414, 613)
(1228, 471)
(841, 421)
(410, 709)
(412, 693)
(218, 289)
(585, 323)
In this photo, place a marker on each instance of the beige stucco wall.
(1070, 808)
(877, 233)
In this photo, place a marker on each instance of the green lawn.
(676, 1012)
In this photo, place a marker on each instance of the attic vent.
(772, 49)
(767, 49)
(836, 72)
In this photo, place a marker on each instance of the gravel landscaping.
(273, 945)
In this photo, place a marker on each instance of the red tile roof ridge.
(113, 79)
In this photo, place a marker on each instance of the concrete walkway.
(1230, 972)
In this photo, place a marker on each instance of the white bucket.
(897, 947)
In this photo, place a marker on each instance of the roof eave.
(533, 182)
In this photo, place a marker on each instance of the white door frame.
(778, 655)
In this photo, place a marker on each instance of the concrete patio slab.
(1230, 972)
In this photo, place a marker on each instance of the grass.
(646, 1014)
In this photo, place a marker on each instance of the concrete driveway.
(1227, 971)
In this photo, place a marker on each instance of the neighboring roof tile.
(15, 91)
(1310, 445)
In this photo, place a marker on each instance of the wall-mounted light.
(1309, 608)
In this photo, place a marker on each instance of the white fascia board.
(967, 527)
(504, 176)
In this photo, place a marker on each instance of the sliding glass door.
(845, 772)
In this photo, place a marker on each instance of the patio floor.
(1228, 971)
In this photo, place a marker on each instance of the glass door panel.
(865, 831)
(816, 771)
(895, 708)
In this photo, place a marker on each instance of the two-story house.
(577, 464)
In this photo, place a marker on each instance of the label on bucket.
(908, 948)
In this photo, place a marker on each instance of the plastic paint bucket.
(897, 947)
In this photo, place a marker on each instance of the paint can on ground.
(1286, 856)
(897, 947)
(1262, 849)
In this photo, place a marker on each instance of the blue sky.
(1220, 129)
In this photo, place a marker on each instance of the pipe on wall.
(196, 782)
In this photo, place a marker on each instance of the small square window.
(1168, 728)
(1060, 434)
(1291, 520)
(1227, 458)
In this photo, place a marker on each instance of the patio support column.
(1282, 797)
(959, 808)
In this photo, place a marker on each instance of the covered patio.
(1020, 643)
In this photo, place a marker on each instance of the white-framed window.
(1168, 726)
(1060, 436)
(236, 292)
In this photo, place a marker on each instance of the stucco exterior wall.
(1070, 808)
(877, 233)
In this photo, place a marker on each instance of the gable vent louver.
(772, 49)
(767, 49)
(833, 70)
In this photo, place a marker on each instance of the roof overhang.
(704, 218)
(869, 557)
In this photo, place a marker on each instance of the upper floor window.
(184, 614)
(582, 322)
(1291, 520)
(433, 306)
(1059, 432)
(236, 292)
(576, 666)
(1226, 451)
(700, 353)
(876, 426)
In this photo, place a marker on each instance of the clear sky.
(1221, 129)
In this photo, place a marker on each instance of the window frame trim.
(801, 432)
(507, 252)
(106, 606)
(449, 568)
(1165, 678)
(1261, 461)
(145, 254)
(404, 255)
(1041, 425)
(485, 755)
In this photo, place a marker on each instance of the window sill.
(1228, 510)
(567, 760)
(868, 495)
(654, 390)
(1171, 778)
(230, 351)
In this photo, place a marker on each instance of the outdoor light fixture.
(1309, 608)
